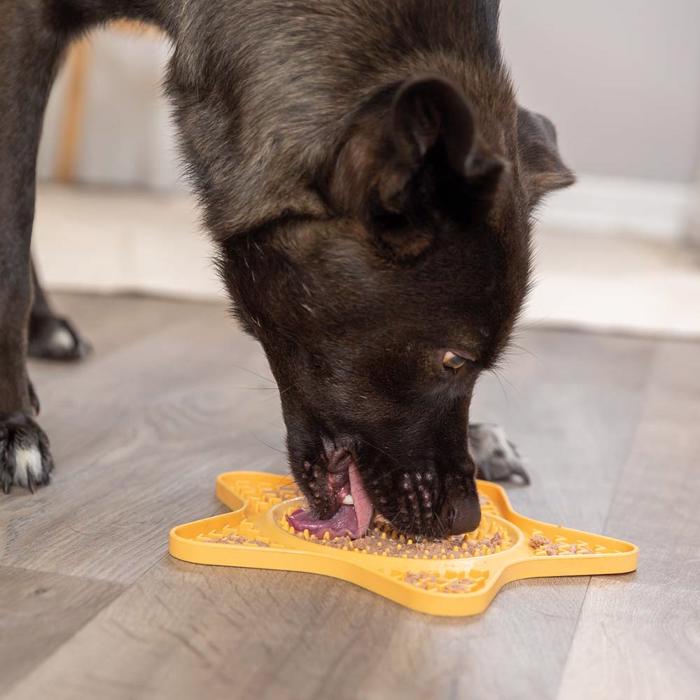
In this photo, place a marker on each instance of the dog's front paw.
(25, 459)
(494, 454)
(54, 338)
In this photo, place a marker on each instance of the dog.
(368, 180)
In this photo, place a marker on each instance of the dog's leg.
(52, 337)
(495, 456)
(29, 53)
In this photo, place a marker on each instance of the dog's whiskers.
(262, 442)
(255, 374)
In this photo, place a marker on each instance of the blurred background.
(621, 81)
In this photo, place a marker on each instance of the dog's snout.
(462, 515)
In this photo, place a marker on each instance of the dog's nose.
(462, 515)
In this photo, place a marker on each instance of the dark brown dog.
(369, 180)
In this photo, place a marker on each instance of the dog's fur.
(368, 178)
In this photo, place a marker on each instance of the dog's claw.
(34, 399)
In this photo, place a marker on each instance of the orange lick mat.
(456, 576)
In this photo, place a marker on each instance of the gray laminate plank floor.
(91, 605)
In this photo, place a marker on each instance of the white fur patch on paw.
(27, 463)
(62, 340)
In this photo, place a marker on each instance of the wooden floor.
(92, 606)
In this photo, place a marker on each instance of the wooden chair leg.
(69, 137)
(77, 67)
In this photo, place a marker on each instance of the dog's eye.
(453, 361)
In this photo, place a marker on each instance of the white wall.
(620, 79)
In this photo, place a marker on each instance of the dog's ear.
(543, 169)
(425, 122)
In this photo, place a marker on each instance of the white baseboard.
(116, 240)
(621, 207)
(693, 230)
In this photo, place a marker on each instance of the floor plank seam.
(51, 572)
(628, 452)
(125, 588)
(574, 632)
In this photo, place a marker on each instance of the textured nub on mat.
(382, 539)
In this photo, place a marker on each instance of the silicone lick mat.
(454, 577)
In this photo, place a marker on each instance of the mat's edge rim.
(425, 602)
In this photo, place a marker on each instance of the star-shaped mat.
(456, 576)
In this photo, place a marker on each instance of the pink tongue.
(344, 522)
(363, 506)
(352, 521)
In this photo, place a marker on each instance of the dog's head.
(378, 320)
